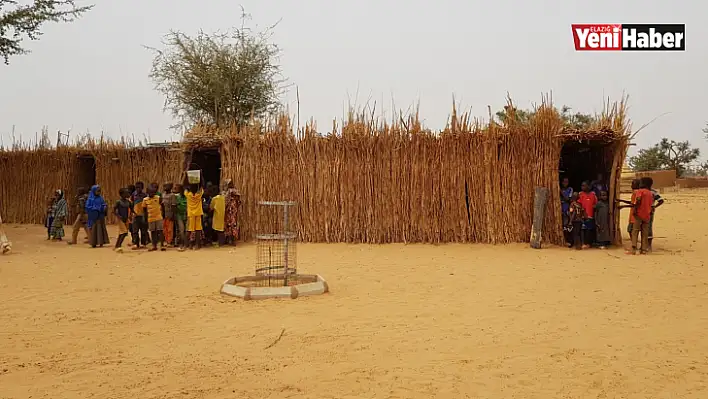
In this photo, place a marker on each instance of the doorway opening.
(587, 160)
(209, 161)
(87, 172)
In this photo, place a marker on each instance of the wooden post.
(539, 212)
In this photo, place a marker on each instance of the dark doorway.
(209, 161)
(585, 160)
(87, 172)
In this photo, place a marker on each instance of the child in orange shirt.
(630, 204)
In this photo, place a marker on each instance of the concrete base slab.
(242, 287)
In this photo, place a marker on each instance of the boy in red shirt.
(630, 204)
(641, 212)
(588, 200)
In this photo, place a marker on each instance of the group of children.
(179, 217)
(644, 202)
(586, 214)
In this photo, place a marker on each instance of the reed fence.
(367, 182)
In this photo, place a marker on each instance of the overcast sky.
(92, 75)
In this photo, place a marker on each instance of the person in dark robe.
(602, 221)
(566, 193)
(96, 210)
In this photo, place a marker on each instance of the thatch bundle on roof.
(367, 182)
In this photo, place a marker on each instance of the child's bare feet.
(585, 246)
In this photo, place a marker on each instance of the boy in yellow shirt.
(218, 208)
(194, 214)
(153, 213)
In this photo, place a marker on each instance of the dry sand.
(401, 321)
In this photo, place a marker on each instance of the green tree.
(220, 79)
(667, 154)
(24, 22)
(576, 120)
(520, 115)
(652, 158)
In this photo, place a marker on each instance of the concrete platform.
(246, 287)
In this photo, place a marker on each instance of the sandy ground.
(416, 321)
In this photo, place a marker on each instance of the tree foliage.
(666, 155)
(220, 79)
(24, 22)
(575, 120)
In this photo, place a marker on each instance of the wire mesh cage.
(276, 256)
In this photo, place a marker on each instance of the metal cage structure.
(276, 256)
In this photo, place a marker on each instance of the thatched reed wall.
(400, 183)
(368, 182)
(28, 176)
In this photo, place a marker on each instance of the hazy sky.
(92, 75)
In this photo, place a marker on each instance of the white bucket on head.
(194, 176)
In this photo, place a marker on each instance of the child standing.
(61, 212)
(566, 193)
(218, 208)
(96, 211)
(169, 203)
(49, 216)
(602, 221)
(180, 215)
(630, 204)
(588, 200)
(122, 211)
(153, 214)
(657, 202)
(207, 215)
(81, 218)
(131, 190)
(233, 203)
(576, 215)
(194, 215)
(643, 201)
(140, 227)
